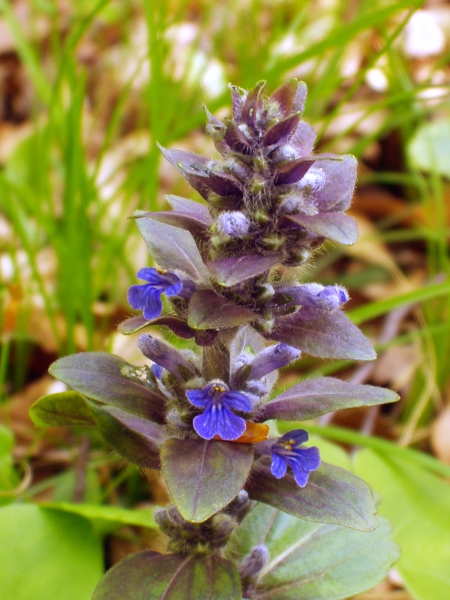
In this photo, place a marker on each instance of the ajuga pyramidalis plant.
(255, 514)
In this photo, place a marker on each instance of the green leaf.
(312, 561)
(111, 380)
(47, 554)
(417, 504)
(209, 311)
(138, 440)
(204, 476)
(429, 149)
(106, 518)
(153, 576)
(332, 495)
(60, 410)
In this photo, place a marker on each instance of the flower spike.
(217, 418)
(147, 297)
(287, 451)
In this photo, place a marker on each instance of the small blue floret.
(147, 297)
(287, 451)
(217, 418)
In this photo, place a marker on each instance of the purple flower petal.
(236, 400)
(199, 397)
(286, 451)
(219, 420)
(279, 466)
(299, 436)
(146, 298)
(303, 461)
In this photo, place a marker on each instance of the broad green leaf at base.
(312, 561)
(47, 555)
(417, 503)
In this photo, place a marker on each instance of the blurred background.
(86, 90)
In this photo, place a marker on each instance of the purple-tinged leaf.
(186, 214)
(189, 165)
(222, 183)
(323, 333)
(333, 226)
(332, 495)
(172, 248)
(235, 139)
(111, 380)
(192, 209)
(133, 324)
(281, 130)
(204, 476)
(175, 324)
(61, 410)
(165, 355)
(170, 217)
(206, 337)
(292, 170)
(300, 97)
(303, 139)
(138, 440)
(209, 311)
(230, 271)
(321, 395)
(253, 103)
(151, 576)
(340, 179)
(198, 172)
(285, 96)
(238, 96)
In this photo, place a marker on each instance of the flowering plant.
(227, 278)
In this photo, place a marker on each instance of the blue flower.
(217, 418)
(287, 451)
(147, 297)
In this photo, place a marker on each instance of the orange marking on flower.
(254, 433)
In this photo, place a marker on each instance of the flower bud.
(264, 293)
(313, 180)
(274, 241)
(254, 562)
(233, 224)
(297, 257)
(262, 217)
